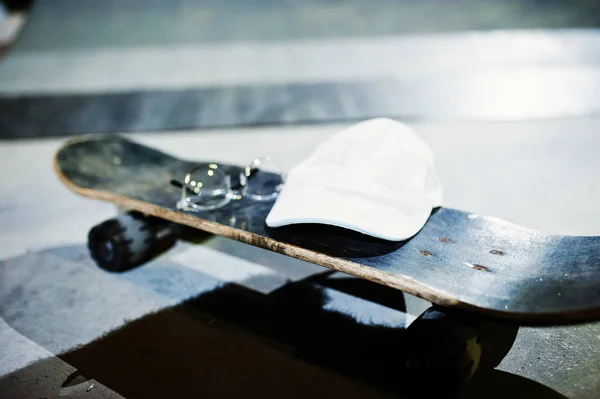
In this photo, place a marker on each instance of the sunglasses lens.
(205, 188)
(262, 179)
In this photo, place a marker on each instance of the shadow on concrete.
(234, 342)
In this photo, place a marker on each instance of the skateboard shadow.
(233, 341)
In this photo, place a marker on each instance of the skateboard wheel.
(122, 243)
(443, 345)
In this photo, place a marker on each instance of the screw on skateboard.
(458, 260)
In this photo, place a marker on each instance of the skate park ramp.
(111, 66)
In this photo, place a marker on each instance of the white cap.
(376, 177)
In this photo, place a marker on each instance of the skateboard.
(458, 260)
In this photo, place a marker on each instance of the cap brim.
(309, 204)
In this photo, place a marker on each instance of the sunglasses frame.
(229, 193)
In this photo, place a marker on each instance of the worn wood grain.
(460, 260)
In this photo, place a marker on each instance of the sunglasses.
(209, 187)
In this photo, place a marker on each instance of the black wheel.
(444, 351)
(124, 242)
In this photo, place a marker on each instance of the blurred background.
(79, 67)
(505, 92)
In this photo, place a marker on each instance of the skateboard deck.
(457, 260)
